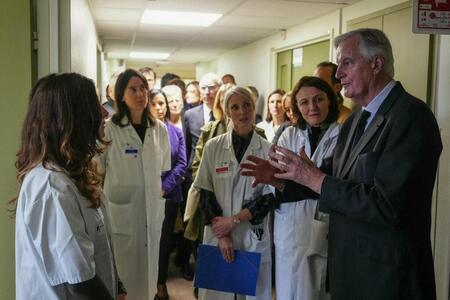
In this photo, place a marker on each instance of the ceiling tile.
(244, 21)
(117, 14)
(283, 9)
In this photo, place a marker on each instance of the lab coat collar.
(330, 133)
(133, 132)
(255, 142)
(130, 126)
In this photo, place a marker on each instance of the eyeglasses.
(208, 87)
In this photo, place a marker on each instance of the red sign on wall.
(431, 16)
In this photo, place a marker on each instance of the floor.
(181, 289)
(178, 287)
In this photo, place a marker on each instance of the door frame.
(274, 53)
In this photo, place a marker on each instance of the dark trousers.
(167, 239)
(184, 246)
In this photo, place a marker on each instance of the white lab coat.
(60, 238)
(269, 129)
(299, 236)
(133, 190)
(219, 173)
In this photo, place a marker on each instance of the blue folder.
(214, 273)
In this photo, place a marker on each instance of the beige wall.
(255, 64)
(15, 83)
(442, 111)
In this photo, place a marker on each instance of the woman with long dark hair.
(133, 163)
(63, 248)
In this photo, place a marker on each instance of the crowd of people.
(108, 192)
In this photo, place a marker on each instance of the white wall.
(364, 8)
(83, 40)
(441, 246)
(254, 64)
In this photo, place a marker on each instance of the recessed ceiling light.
(149, 55)
(180, 18)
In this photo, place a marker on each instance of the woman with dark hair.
(286, 102)
(300, 230)
(171, 185)
(192, 94)
(276, 115)
(133, 163)
(63, 248)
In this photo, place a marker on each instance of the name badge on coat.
(130, 151)
(223, 169)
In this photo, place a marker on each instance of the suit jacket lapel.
(348, 145)
(369, 132)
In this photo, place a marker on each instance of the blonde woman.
(234, 211)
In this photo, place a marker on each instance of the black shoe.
(161, 289)
(186, 272)
(196, 293)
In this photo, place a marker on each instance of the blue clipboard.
(214, 273)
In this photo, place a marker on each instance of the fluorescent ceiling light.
(149, 55)
(180, 18)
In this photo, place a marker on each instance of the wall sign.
(431, 16)
(297, 57)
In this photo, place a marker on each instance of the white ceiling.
(243, 21)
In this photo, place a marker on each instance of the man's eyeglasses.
(209, 87)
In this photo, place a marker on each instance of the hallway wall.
(255, 64)
(15, 82)
(83, 40)
(442, 240)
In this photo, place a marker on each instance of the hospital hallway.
(264, 46)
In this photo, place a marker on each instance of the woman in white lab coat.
(63, 248)
(234, 211)
(276, 115)
(133, 163)
(300, 230)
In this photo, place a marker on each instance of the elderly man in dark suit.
(196, 117)
(384, 167)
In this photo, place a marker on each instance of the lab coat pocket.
(317, 253)
(318, 238)
(121, 216)
(285, 237)
(259, 241)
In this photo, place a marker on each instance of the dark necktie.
(362, 122)
(211, 116)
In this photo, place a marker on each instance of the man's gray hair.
(237, 90)
(210, 78)
(371, 42)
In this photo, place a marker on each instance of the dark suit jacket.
(379, 202)
(193, 121)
